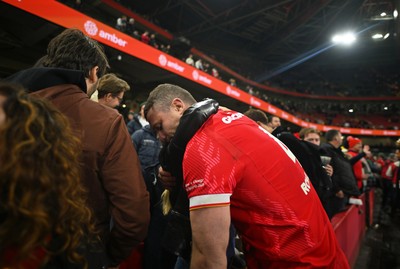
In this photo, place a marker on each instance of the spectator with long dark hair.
(44, 218)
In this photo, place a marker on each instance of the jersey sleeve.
(210, 172)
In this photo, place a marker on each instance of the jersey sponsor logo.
(229, 119)
(306, 185)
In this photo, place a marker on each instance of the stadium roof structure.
(267, 40)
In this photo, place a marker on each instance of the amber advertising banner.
(57, 13)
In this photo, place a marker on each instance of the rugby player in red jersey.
(235, 171)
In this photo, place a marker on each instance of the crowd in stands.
(370, 115)
(354, 82)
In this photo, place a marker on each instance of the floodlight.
(377, 36)
(344, 39)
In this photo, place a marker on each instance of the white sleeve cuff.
(209, 200)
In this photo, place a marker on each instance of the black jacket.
(343, 177)
(309, 157)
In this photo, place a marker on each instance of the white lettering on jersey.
(194, 184)
(229, 119)
(283, 146)
(306, 186)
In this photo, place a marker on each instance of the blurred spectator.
(189, 60)
(77, 4)
(148, 148)
(343, 180)
(165, 48)
(153, 41)
(199, 65)
(361, 168)
(136, 34)
(214, 72)
(318, 167)
(206, 66)
(387, 181)
(250, 89)
(121, 23)
(130, 26)
(138, 120)
(380, 160)
(145, 37)
(275, 122)
(259, 117)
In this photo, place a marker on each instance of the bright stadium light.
(344, 39)
(377, 36)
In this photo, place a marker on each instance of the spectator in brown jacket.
(110, 167)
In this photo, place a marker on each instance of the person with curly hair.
(44, 219)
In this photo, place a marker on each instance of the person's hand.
(340, 194)
(329, 169)
(166, 178)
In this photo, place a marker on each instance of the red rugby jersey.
(232, 161)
